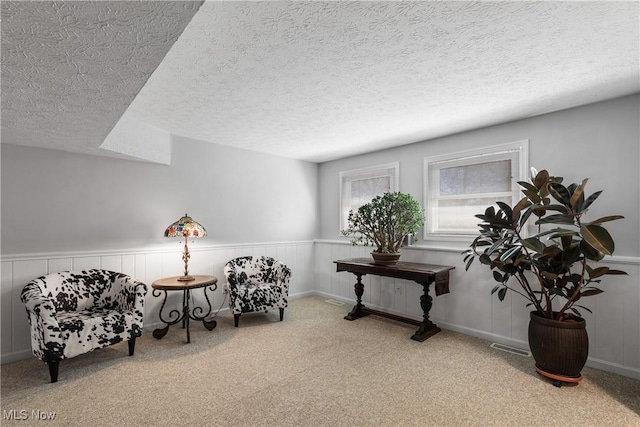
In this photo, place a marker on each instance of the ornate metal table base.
(422, 274)
(175, 316)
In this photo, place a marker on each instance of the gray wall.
(55, 201)
(598, 141)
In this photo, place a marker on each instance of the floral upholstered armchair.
(256, 284)
(71, 313)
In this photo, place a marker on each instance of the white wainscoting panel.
(145, 266)
(613, 328)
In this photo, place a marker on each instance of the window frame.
(470, 157)
(391, 170)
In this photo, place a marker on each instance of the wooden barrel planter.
(560, 349)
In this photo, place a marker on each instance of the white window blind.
(458, 186)
(360, 186)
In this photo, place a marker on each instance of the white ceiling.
(308, 80)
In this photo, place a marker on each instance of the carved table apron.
(423, 274)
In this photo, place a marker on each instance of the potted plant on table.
(550, 268)
(385, 222)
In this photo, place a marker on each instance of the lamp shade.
(185, 227)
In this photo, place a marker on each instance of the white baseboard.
(14, 357)
(614, 367)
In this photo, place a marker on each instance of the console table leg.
(426, 328)
(356, 312)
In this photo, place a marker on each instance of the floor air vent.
(334, 302)
(511, 350)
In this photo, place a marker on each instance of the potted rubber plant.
(552, 268)
(385, 222)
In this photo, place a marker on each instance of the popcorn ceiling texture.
(319, 80)
(308, 80)
(71, 69)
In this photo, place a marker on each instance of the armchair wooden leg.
(132, 345)
(236, 318)
(53, 370)
(281, 313)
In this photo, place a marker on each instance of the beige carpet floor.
(313, 369)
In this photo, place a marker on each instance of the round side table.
(196, 313)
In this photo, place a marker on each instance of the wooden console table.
(423, 274)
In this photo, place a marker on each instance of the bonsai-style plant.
(551, 267)
(385, 221)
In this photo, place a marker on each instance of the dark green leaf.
(591, 292)
(507, 210)
(578, 195)
(590, 252)
(583, 307)
(598, 237)
(496, 245)
(571, 254)
(600, 271)
(574, 278)
(541, 178)
(528, 186)
(510, 268)
(560, 193)
(566, 240)
(590, 200)
(605, 219)
(557, 208)
(501, 293)
(490, 212)
(533, 196)
(522, 204)
(557, 232)
(555, 291)
(469, 263)
(495, 288)
(498, 277)
(509, 253)
(534, 244)
(617, 273)
(556, 219)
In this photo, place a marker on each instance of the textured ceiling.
(309, 80)
(71, 69)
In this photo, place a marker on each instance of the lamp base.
(185, 278)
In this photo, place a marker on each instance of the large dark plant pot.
(380, 258)
(560, 349)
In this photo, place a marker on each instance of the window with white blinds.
(360, 186)
(460, 185)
